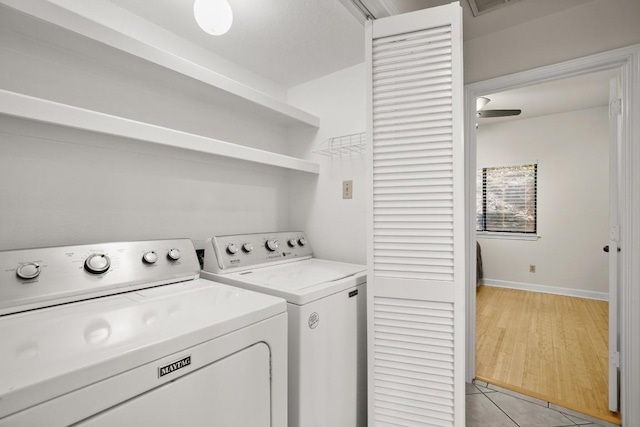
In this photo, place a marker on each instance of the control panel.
(243, 251)
(34, 278)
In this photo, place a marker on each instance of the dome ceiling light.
(213, 16)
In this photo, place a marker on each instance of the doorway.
(542, 220)
(615, 60)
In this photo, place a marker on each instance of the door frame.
(627, 60)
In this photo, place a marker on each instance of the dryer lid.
(298, 276)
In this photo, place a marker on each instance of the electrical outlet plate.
(347, 189)
(532, 268)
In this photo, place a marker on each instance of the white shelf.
(42, 110)
(95, 23)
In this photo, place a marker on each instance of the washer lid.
(293, 281)
(46, 353)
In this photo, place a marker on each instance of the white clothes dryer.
(326, 304)
(168, 349)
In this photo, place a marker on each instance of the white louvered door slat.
(415, 238)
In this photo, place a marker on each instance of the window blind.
(506, 199)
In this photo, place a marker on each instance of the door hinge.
(615, 108)
(615, 358)
(614, 233)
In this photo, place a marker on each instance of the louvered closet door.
(415, 244)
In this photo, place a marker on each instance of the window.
(506, 199)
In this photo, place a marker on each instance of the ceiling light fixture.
(482, 101)
(213, 16)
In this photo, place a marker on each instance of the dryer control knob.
(29, 270)
(174, 254)
(247, 247)
(272, 244)
(150, 257)
(232, 249)
(302, 241)
(293, 243)
(97, 263)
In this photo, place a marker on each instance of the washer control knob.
(174, 254)
(272, 244)
(302, 241)
(29, 270)
(232, 249)
(150, 257)
(97, 263)
(247, 247)
(293, 243)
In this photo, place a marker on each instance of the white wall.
(61, 186)
(339, 101)
(335, 227)
(119, 84)
(573, 205)
(108, 16)
(590, 28)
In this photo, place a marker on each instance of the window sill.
(506, 236)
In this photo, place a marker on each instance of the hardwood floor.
(551, 347)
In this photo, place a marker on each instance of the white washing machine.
(326, 304)
(168, 349)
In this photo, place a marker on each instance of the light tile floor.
(489, 407)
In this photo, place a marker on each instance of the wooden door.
(415, 237)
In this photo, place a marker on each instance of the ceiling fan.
(482, 101)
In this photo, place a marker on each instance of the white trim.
(505, 236)
(460, 242)
(627, 60)
(30, 108)
(506, 164)
(368, 37)
(544, 289)
(629, 291)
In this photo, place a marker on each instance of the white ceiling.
(294, 41)
(499, 19)
(576, 93)
(286, 41)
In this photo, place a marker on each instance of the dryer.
(127, 334)
(326, 304)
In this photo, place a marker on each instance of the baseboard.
(570, 292)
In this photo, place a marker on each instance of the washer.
(326, 304)
(167, 349)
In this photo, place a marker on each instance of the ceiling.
(515, 13)
(575, 93)
(286, 41)
(294, 41)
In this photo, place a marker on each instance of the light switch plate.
(347, 189)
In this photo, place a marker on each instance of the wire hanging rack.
(344, 145)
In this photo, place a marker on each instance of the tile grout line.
(560, 409)
(523, 397)
(524, 400)
(501, 410)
